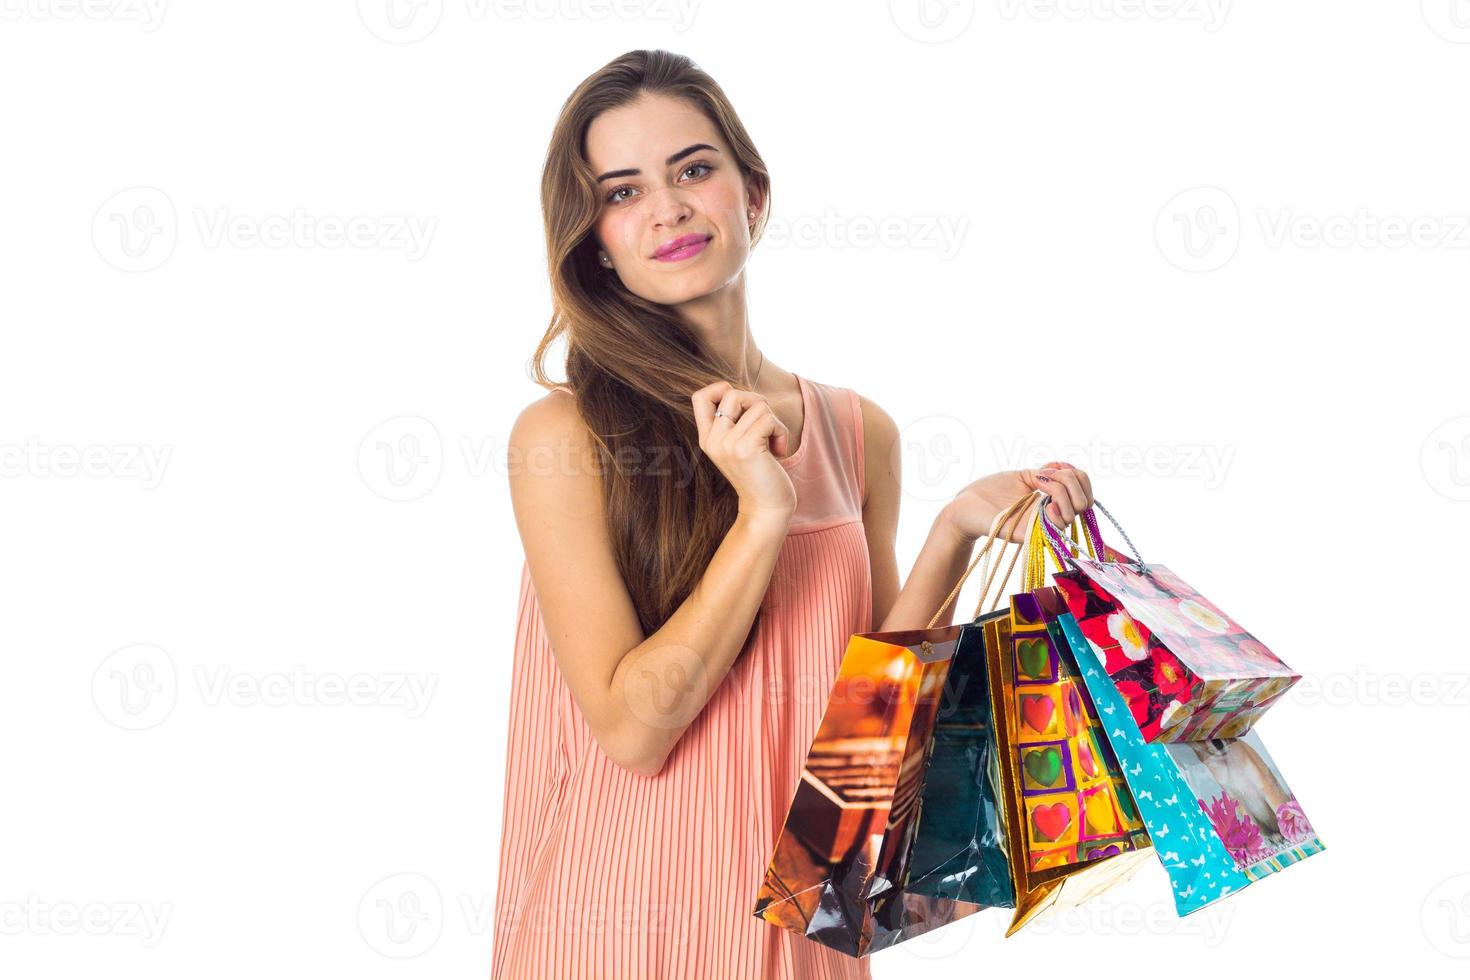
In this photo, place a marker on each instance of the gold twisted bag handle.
(990, 573)
(1038, 546)
(1012, 511)
(1033, 573)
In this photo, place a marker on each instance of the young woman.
(703, 530)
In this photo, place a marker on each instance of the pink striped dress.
(608, 874)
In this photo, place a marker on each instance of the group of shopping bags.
(1037, 755)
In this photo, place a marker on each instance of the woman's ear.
(755, 201)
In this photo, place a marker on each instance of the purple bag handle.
(1063, 546)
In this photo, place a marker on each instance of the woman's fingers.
(779, 436)
(733, 404)
(1072, 488)
(1041, 480)
(1082, 477)
(781, 440)
(1086, 484)
(1069, 497)
(758, 426)
(748, 420)
(705, 400)
(1060, 511)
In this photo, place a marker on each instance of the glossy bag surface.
(838, 870)
(1061, 887)
(959, 849)
(1187, 670)
(1075, 802)
(1220, 814)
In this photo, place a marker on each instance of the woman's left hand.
(973, 509)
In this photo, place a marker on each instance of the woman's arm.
(943, 558)
(638, 694)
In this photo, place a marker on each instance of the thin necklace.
(758, 371)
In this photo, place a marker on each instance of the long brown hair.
(632, 364)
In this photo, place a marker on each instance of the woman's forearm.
(661, 685)
(942, 560)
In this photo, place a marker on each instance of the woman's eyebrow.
(673, 159)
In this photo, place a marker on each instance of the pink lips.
(683, 247)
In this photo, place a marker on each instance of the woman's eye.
(613, 195)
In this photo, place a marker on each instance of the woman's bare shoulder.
(550, 420)
(879, 429)
(550, 439)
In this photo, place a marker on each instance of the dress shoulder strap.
(829, 461)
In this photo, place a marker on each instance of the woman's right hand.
(740, 441)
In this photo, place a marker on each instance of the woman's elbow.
(635, 754)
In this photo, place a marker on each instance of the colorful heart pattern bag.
(1056, 887)
(1076, 801)
(1080, 861)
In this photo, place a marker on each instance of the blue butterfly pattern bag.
(1218, 811)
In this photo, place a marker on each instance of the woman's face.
(666, 176)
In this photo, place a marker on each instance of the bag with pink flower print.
(1218, 811)
(1187, 671)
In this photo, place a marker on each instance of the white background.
(1215, 253)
